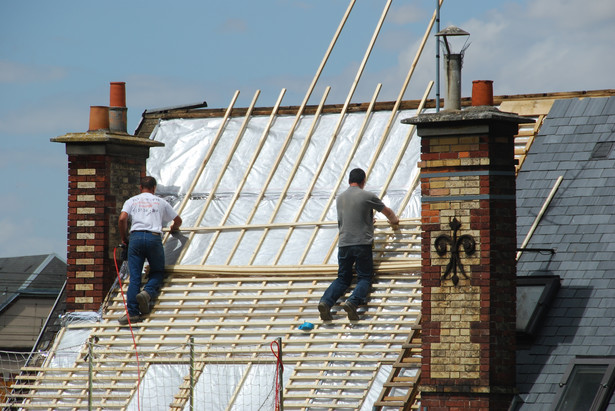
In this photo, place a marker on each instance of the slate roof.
(574, 142)
(40, 274)
(30, 287)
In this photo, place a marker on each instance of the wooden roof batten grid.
(235, 305)
(234, 308)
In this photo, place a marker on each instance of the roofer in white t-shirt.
(147, 215)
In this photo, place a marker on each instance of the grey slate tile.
(604, 323)
(609, 107)
(559, 108)
(576, 121)
(547, 129)
(584, 128)
(576, 107)
(607, 129)
(595, 106)
(554, 139)
(580, 156)
(559, 120)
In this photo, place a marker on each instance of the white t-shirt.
(148, 212)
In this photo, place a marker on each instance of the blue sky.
(57, 59)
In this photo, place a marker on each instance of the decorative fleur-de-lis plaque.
(469, 246)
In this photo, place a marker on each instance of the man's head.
(357, 176)
(148, 183)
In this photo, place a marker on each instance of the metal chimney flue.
(453, 81)
(453, 62)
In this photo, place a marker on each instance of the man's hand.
(390, 215)
(177, 222)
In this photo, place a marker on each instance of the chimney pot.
(118, 119)
(99, 118)
(118, 94)
(482, 93)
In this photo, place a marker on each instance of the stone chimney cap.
(479, 113)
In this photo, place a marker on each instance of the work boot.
(351, 310)
(123, 320)
(143, 299)
(325, 311)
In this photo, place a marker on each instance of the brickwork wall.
(97, 188)
(466, 402)
(468, 329)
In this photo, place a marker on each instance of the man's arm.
(122, 224)
(177, 222)
(390, 215)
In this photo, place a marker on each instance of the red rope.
(279, 367)
(134, 341)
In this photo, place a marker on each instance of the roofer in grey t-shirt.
(356, 234)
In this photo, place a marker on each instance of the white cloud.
(572, 14)
(16, 73)
(521, 47)
(546, 46)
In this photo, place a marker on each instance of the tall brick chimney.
(104, 169)
(468, 258)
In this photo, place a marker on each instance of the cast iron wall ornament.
(469, 246)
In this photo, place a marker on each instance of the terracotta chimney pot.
(118, 94)
(118, 118)
(99, 118)
(482, 93)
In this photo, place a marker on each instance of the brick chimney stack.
(105, 165)
(468, 258)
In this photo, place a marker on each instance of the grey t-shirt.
(355, 216)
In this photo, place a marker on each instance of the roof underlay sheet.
(256, 252)
(270, 199)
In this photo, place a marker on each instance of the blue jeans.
(143, 246)
(361, 257)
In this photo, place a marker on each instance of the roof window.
(586, 385)
(602, 150)
(534, 296)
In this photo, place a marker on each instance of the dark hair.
(148, 182)
(357, 175)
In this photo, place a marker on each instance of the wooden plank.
(387, 267)
(533, 107)
(246, 340)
